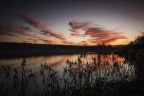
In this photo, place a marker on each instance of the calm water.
(57, 62)
(109, 67)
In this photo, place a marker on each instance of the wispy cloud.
(46, 41)
(21, 32)
(32, 21)
(97, 35)
(83, 33)
(101, 36)
(78, 27)
(13, 30)
(54, 34)
(111, 39)
(44, 28)
(84, 43)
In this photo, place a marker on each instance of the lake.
(87, 67)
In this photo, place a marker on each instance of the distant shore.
(28, 50)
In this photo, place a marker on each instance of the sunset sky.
(71, 22)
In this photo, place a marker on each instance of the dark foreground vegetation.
(134, 52)
(81, 78)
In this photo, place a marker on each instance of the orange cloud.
(47, 41)
(83, 33)
(101, 36)
(112, 39)
(21, 32)
(96, 35)
(93, 32)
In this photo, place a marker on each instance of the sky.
(71, 22)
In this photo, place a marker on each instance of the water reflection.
(75, 70)
(59, 61)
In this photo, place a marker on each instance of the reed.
(80, 78)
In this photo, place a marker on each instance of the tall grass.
(80, 77)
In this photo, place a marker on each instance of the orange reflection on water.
(57, 62)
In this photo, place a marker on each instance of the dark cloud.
(54, 34)
(78, 27)
(78, 35)
(84, 43)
